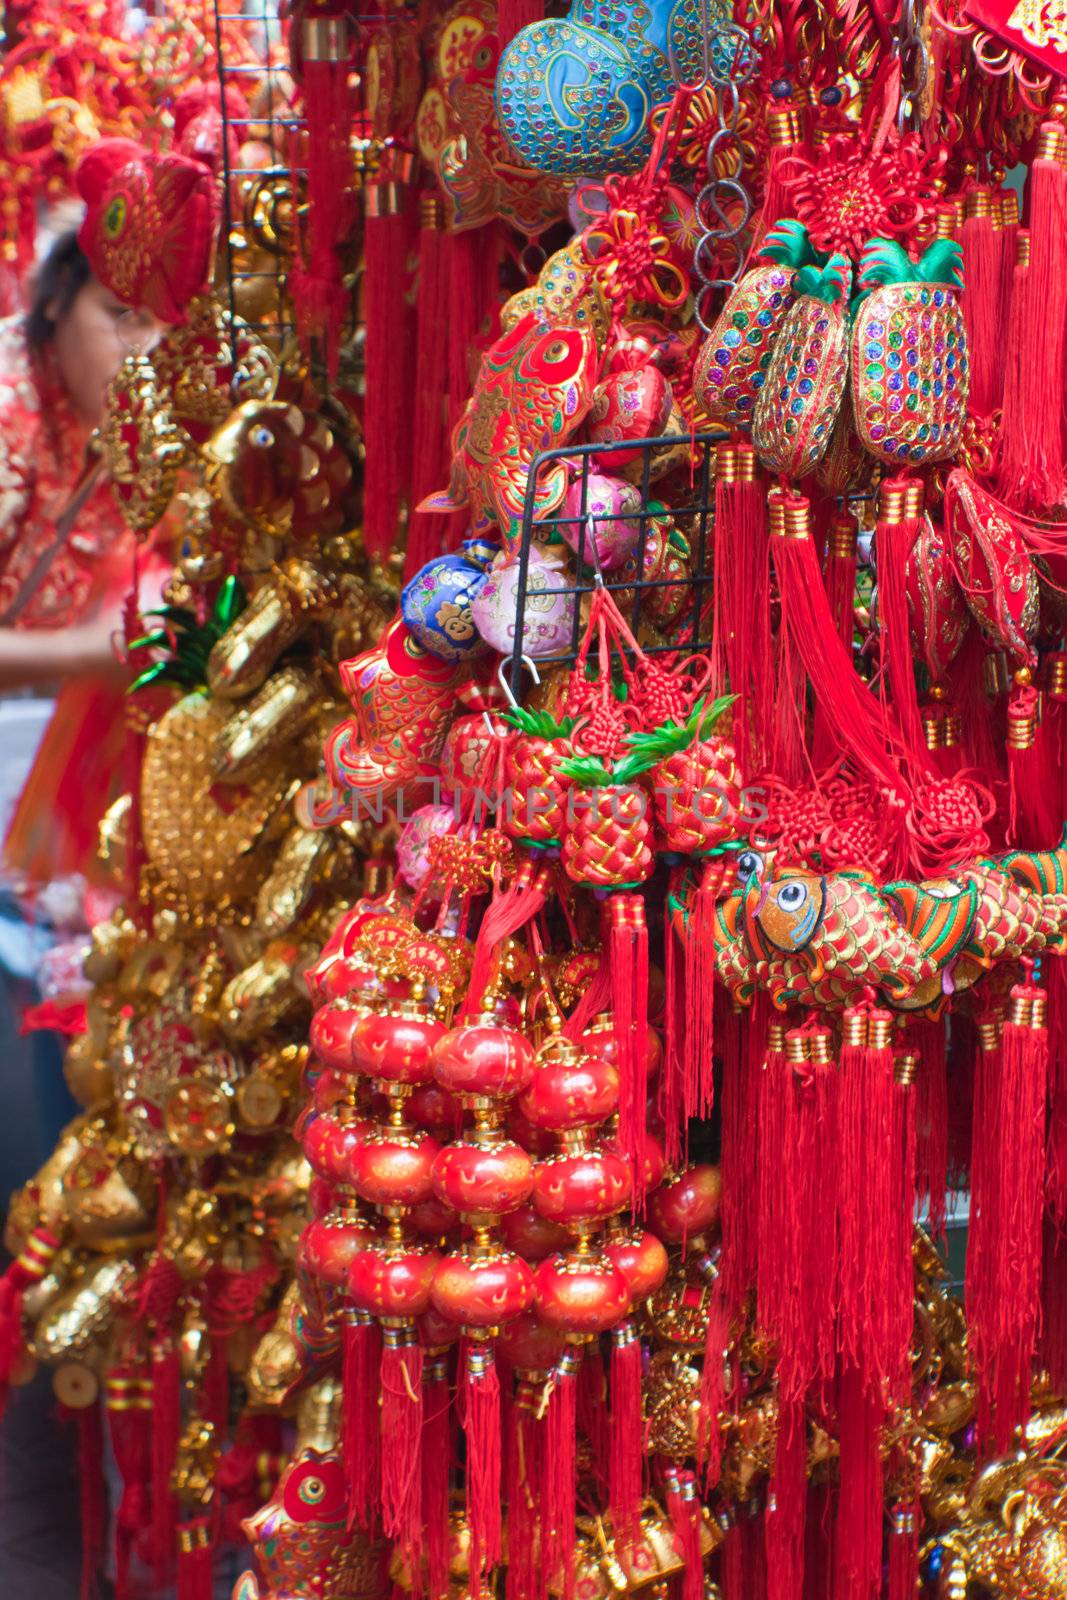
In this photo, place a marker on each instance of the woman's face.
(91, 342)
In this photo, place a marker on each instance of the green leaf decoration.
(188, 641)
(664, 741)
(788, 244)
(589, 772)
(829, 283)
(884, 261)
(539, 724)
(942, 263)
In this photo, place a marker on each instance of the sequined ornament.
(436, 602)
(732, 366)
(910, 372)
(574, 95)
(800, 400)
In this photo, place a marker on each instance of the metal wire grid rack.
(691, 629)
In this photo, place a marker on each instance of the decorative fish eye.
(791, 896)
(557, 350)
(749, 864)
(483, 56)
(312, 1491)
(261, 437)
(115, 216)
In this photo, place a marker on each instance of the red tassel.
(669, 1093)
(1054, 1306)
(1034, 766)
(92, 1494)
(316, 280)
(166, 1431)
(401, 1441)
(683, 1507)
(784, 1517)
(733, 1564)
(698, 1080)
(1032, 474)
(983, 245)
(436, 1464)
(525, 1490)
(129, 1411)
(627, 1434)
(508, 911)
(628, 960)
(558, 1504)
(841, 576)
(389, 377)
(361, 1357)
(784, 130)
(713, 1388)
(514, 15)
(195, 1581)
(1056, 1185)
(28, 1268)
(904, 1553)
(743, 1052)
(932, 1122)
(858, 1547)
(1007, 1187)
(430, 454)
(481, 1422)
(473, 264)
(743, 600)
(597, 998)
(591, 1410)
(899, 509)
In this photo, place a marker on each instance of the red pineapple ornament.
(696, 784)
(537, 789)
(483, 1286)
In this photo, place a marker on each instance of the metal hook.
(590, 533)
(527, 661)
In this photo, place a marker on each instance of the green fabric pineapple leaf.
(590, 772)
(828, 283)
(884, 261)
(673, 736)
(942, 263)
(539, 724)
(788, 244)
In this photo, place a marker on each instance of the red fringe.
(1054, 1307)
(841, 585)
(592, 1419)
(474, 259)
(626, 1455)
(195, 1581)
(683, 1508)
(401, 1440)
(893, 545)
(525, 1489)
(390, 398)
(360, 1432)
(1034, 768)
(858, 1549)
(932, 1121)
(514, 15)
(1056, 1158)
(743, 605)
(436, 1465)
(481, 1422)
(904, 1553)
(166, 1431)
(742, 1056)
(1005, 1243)
(427, 531)
(508, 912)
(698, 1038)
(560, 1482)
(316, 280)
(983, 246)
(784, 1517)
(92, 1495)
(628, 960)
(130, 1426)
(28, 1268)
(713, 1388)
(1031, 473)
(669, 1093)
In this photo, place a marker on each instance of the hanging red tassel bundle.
(785, 135)
(669, 1092)
(558, 1503)
(698, 1034)
(1031, 474)
(322, 54)
(982, 240)
(195, 1550)
(473, 268)
(401, 1440)
(166, 1431)
(508, 911)
(743, 599)
(361, 1344)
(802, 1315)
(713, 1388)
(841, 575)
(785, 1514)
(1034, 773)
(627, 946)
(899, 510)
(1056, 1176)
(683, 1508)
(29, 1267)
(388, 364)
(1007, 1193)
(92, 1493)
(931, 1116)
(481, 1424)
(743, 1052)
(128, 1396)
(904, 1552)
(858, 1543)
(436, 1465)
(427, 531)
(525, 1476)
(1054, 1305)
(514, 15)
(626, 1454)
